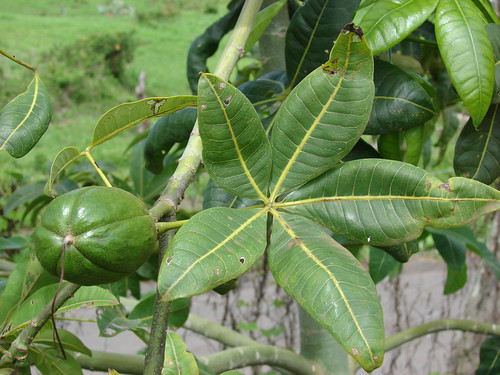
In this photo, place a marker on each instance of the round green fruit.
(105, 233)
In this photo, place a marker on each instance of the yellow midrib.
(213, 250)
(242, 161)
(332, 277)
(381, 197)
(35, 96)
(297, 152)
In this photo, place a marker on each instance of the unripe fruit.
(106, 234)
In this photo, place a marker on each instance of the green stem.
(165, 226)
(440, 325)
(102, 361)
(18, 351)
(253, 355)
(16, 60)
(166, 205)
(216, 332)
(97, 168)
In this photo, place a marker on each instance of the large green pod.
(105, 233)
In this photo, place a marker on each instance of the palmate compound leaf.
(325, 115)
(236, 151)
(385, 202)
(25, 119)
(213, 247)
(467, 53)
(330, 284)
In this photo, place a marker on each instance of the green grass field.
(29, 30)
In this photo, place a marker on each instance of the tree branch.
(18, 351)
(440, 325)
(251, 355)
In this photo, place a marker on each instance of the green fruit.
(106, 233)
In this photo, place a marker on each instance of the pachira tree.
(318, 156)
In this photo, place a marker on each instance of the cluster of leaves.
(295, 175)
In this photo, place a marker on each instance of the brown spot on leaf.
(445, 186)
(350, 28)
(227, 101)
(355, 351)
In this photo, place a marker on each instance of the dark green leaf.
(236, 150)
(477, 152)
(451, 249)
(207, 43)
(213, 247)
(69, 340)
(324, 116)
(262, 21)
(455, 279)
(311, 33)
(470, 63)
(414, 140)
(50, 363)
(25, 119)
(466, 236)
(402, 252)
(330, 284)
(385, 202)
(487, 10)
(380, 265)
(12, 243)
(215, 196)
(166, 132)
(489, 357)
(361, 150)
(389, 146)
(388, 22)
(400, 101)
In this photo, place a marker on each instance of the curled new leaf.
(64, 158)
(25, 119)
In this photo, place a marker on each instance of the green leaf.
(402, 252)
(325, 115)
(313, 28)
(215, 196)
(487, 10)
(178, 361)
(262, 21)
(388, 22)
(414, 139)
(69, 340)
(207, 44)
(401, 102)
(489, 357)
(236, 151)
(384, 202)
(27, 277)
(380, 264)
(166, 132)
(477, 152)
(455, 280)
(470, 62)
(49, 362)
(330, 284)
(466, 236)
(124, 116)
(91, 296)
(311, 33)
(13, 243)
(64, 158)
(389, 146)
(451, 249)
(25, 119)
(213, 247)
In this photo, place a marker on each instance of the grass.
(163, 33)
